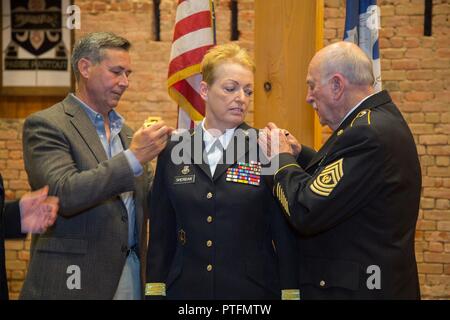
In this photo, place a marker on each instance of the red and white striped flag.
(193, 35)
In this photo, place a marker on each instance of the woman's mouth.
(237, 110)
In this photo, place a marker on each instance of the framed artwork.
(36, 47)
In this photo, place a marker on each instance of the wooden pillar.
(287, 34)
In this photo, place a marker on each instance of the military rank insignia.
(327, 180)
(151, 121)
(246, 173)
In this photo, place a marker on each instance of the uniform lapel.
(198, 159)
(84, 126)
(234, 150)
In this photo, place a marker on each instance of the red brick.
(426, 225)
(427, 203)
(433, 268)
(419, 96)
(443, 204)
(405, 64)
(393, 53)
(18, 275)
(409, 9)
(421, 128)
(441, 150)
(447, 269)
(410, 31)
(437, 192)
(11, 255)
(436, 257)
(443, 225)
(16, 265)
(442, 161)
(13, 244)
(420, 75)
(412, 43)
(433, 139)
(24, 255)
(427, 160)
(436, 247)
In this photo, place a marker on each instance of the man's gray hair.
(350, 61)
(92, 45)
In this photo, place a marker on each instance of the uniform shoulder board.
(362, 117)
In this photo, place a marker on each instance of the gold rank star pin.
(151, 121)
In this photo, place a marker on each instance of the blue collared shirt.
(113, 148)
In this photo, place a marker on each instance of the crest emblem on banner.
(36, 27)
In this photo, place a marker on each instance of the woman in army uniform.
(216, 231)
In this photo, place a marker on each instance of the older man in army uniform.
(356, 200)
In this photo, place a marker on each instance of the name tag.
(184, 179)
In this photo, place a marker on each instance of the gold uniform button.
(209, 219)
(209, 195)
(340, 132)
(209, 243)
(209, 267)
(322, 283)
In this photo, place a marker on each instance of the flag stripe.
(186, 105)
(189, 59)
(191, 95)
(188, 8)
(202, 20)
(196, 39)
(193, 36)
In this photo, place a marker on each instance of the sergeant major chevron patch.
(325, 182)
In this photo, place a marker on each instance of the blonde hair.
(230, 52)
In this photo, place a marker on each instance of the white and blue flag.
(362, 21)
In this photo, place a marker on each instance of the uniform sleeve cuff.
(290, 294)
(155, 289)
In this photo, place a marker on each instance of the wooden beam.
(157, 19)
(234, 20)
(428, 17)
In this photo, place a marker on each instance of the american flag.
(194, 34)
(362, 21)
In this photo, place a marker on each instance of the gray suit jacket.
(62, 149)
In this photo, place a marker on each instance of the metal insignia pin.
(185, 170)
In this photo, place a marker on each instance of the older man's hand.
(273, 141)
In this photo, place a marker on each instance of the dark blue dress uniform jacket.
(355, 203)
(213, 239)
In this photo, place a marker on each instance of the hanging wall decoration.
(36, 46)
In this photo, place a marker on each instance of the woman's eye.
(248, 92)
(229, 89)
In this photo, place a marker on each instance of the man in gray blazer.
(94, 163)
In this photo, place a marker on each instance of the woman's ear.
(204, 90)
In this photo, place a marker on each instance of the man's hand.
(148, 142)
(38, 211)
(274, 141)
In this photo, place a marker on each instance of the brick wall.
(416, 70)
